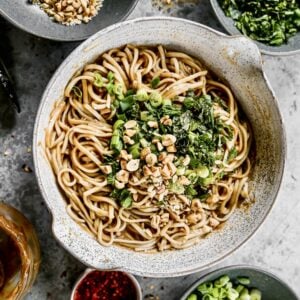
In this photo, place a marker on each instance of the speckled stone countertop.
(32, 61)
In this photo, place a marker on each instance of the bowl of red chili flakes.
(106, 285)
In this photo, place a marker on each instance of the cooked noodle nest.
(149, 149)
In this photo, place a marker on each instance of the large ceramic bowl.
(271, 287)
(291, 47)
(238, 62)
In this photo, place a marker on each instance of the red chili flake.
(101, 285)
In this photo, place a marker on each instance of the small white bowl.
(89, 270)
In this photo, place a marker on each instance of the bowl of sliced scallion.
(239, 282)
(273, 25)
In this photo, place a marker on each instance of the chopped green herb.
(126, 203)
(123, 196)
(127, 103)
(232, 154)
(271, 22)
(190, 191)
(155, 82)
(111, 178)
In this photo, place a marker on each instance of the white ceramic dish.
(237, 61)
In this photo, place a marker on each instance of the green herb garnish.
(155, 82)
(123, 196)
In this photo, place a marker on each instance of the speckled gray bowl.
(292, 47)
(237, 61)
(271, 286)
(32, 19)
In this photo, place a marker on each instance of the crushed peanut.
(70, 12)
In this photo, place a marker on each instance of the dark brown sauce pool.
(10, 260)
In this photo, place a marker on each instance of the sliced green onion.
(180, 171)
(255, 294)
(135, 150)
(118, 91)
(141, 95)
(110, 88)
(206, 181)
(118, 124)
(239, 288)
(192, 297)
(243, 280)
(116, 143)
(77, 91)
(202, 172)
(245, 297)
(209, 297)
(192, 176)
(223, 288)
(155, 99)
(222, 280)
(232, 294)
(176, 188)
(166, 102)
(110, 76)
(98, 80)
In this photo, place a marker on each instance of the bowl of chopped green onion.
(274, 25)
(239, 282)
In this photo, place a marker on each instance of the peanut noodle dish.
(149, 148)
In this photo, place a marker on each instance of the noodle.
(149, 149)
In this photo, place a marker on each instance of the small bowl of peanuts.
(65, 20)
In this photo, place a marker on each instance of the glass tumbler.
(19, 254)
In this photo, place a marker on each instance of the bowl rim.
(90, 270)
(86, 44)
(205, 277)
(20, 26)
(217, 10)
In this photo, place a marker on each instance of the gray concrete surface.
(32, 61)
